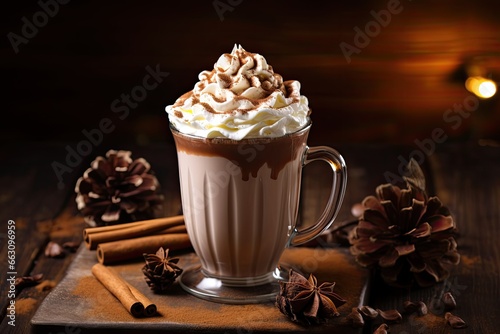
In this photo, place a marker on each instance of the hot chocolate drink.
(240, 201)
(241, 138)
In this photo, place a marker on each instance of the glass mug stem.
(337, 193)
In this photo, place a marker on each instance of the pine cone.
(303, 301)
(405, 235)
(117, 189)
(160, 271)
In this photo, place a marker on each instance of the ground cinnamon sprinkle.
(46, 285)
(102, 305)
(425, 323)
(25, 305)
(174, 308)
(177, 306)
(470, 261)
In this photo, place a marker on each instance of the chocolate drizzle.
(248, 154)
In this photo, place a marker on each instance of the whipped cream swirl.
(240, 98)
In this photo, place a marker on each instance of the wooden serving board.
(80, 304)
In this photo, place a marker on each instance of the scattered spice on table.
(368, 312)
(455, 321)
(25, 305)
(355, 318)
(382, 329)
(26, 281)
(449, 301)
(422, 308)
(53, 249)
(391, 316)
(46, 285)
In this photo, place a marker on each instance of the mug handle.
(339, 168)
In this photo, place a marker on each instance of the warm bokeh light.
(481, 87)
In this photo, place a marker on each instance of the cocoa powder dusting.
(25, 305)
(426, 322)
(104, 306)
(46, 285)
(180, 308)
(180, 101)
(470, 261)
(226, 79)
(208, 107)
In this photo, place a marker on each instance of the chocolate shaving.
(53, 249)
(449, 301)
(409, 307)
(421, 308)
(355, 318)
(368, 312)
(390, 315)
(455, 321)
(26, 281)
(382, 329)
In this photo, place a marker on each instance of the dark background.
(396, 89)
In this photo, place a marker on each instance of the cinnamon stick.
(99, 229)
(149, 308)
(174, 229)
(93, 236)
(131, 298)
(115, 251)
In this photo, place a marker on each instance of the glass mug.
(240, 201)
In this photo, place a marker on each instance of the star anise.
(160, 270)
(303, 301)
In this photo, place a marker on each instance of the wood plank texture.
(31, 198)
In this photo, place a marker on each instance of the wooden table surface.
(463, 175)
